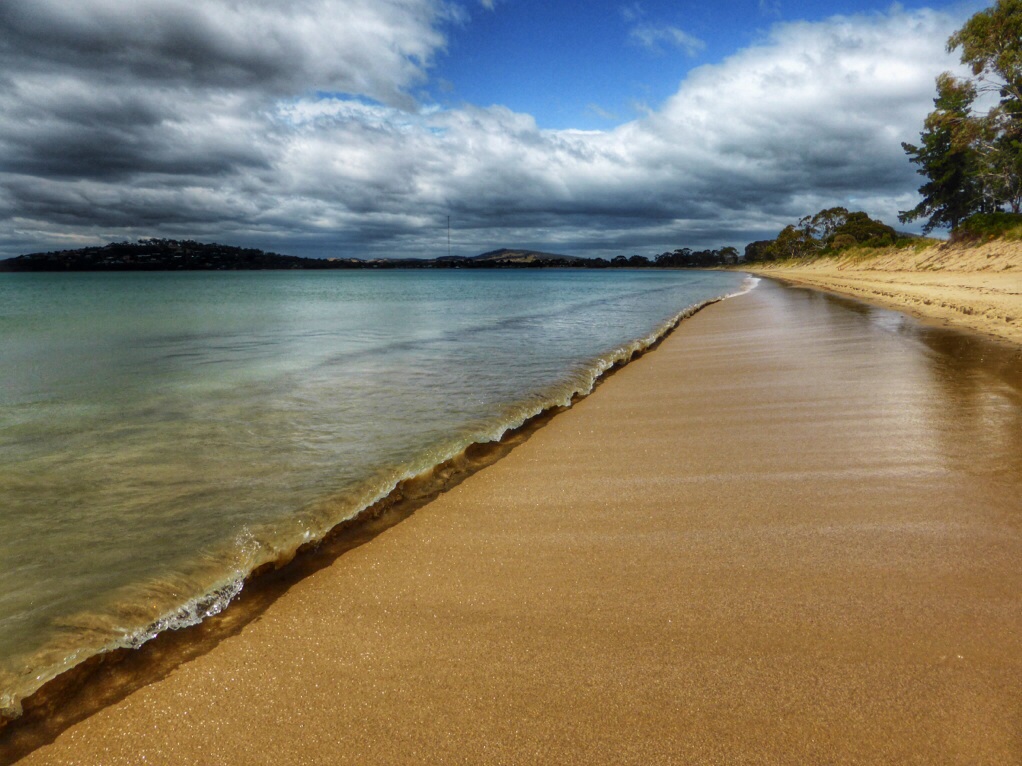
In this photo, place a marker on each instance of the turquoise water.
(164, 434)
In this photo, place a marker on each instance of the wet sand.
(791, 534)
(978, 287)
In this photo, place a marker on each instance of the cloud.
(632, 12)
(600, 112)
(653, 38)
(297, 143)
(374, 48)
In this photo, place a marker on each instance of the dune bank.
(975, 287)
(789, 535)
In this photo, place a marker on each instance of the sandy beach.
(790, 534)
(976, 287)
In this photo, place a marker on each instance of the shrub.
(983, 227)
(841, 241)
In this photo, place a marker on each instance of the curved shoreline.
(976, 288)
(76, 692)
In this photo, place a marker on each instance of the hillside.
(506, 255)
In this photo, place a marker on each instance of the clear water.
(164, 434)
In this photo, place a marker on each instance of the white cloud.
(600, 112)
(632, 12)
(654, 38)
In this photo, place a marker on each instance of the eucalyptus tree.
(973, 159)
(991, 45)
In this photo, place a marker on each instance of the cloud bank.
(297, 126)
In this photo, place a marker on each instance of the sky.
(354, 128)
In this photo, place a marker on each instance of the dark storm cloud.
(355, 46)
(116, 152)
(290, 126)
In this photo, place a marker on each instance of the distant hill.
(507, 255)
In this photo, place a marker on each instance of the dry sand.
(791, 534)
(977, 287)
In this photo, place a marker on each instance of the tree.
(728, 255)
(946, 156)
(974, 161)
(758, 251)
(792, 242)
(821, 233)
(821, 226)
(991, 44)
(675, 258)
(859, 229)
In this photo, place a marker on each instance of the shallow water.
(164, 434)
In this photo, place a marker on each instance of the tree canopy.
(822, 233)
(973, 159)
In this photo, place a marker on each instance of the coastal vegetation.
(970, 149)
(983, 227)
(825, 233)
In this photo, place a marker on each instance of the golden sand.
(975, 287)
(791, 534)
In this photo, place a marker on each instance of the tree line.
(824, 233)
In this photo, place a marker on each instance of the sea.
(164, 434)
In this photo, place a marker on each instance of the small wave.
(192, 613)
(748, 285)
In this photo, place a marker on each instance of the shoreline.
(713, 559)
(109, 676)
(126, 669)
(974, 287)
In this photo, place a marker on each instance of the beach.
(789, 534)
(977, 287)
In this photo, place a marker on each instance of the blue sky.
(594, 65)
(355, 127)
